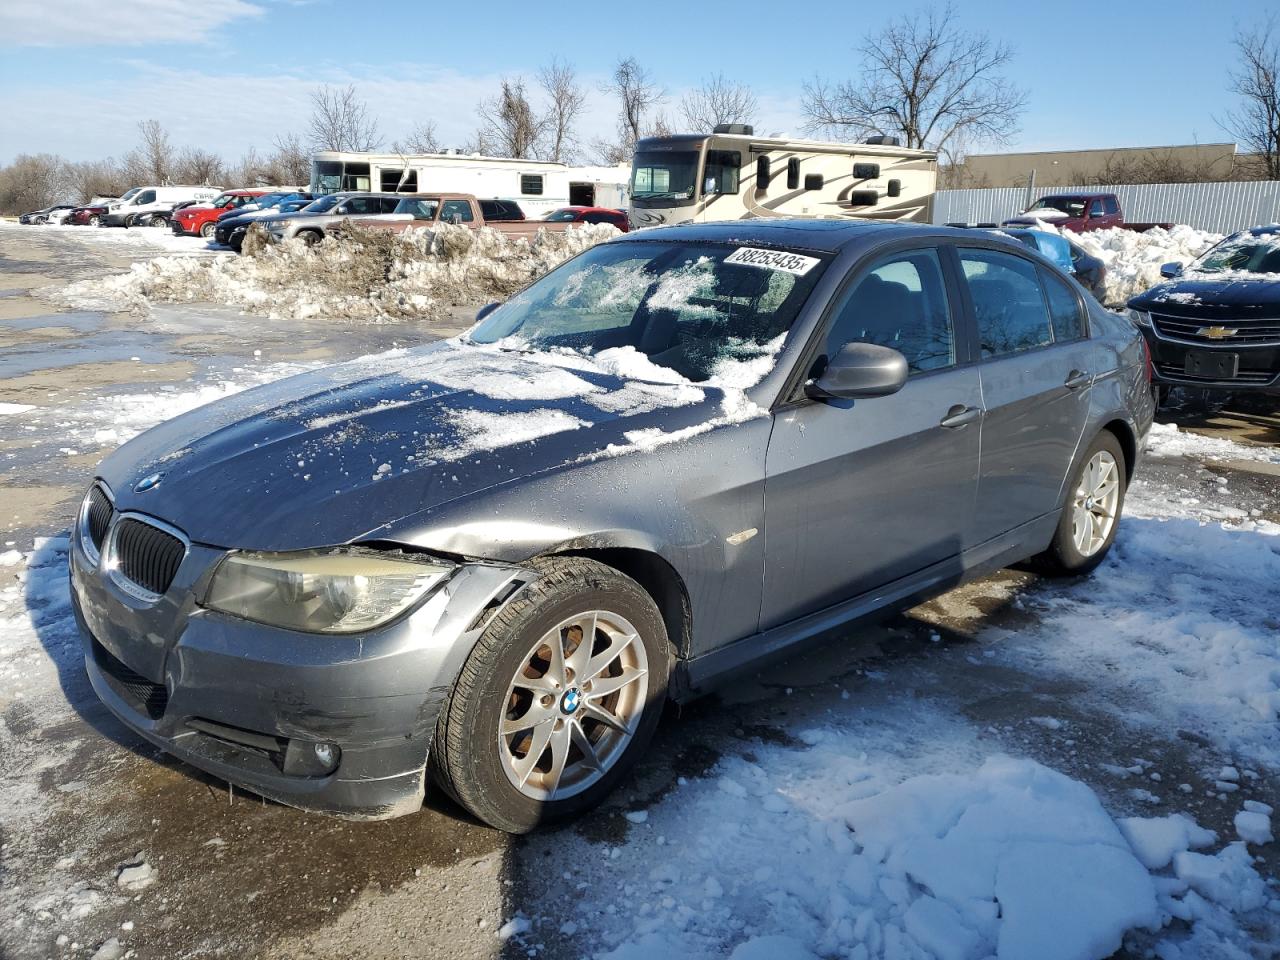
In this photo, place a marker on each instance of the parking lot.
(1153, 682)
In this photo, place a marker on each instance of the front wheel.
(1087, 528)
(558, 699)
(95, 221)
(160, 221)
(207, 230)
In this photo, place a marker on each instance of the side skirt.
(699, 675)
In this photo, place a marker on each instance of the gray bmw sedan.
(485, 564)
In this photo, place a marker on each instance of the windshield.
(1071, 206)
(689, 307)
(1246, 254)
(129, 194)
(322, 204)
(561, 216)
(664, 174)
(417, 208)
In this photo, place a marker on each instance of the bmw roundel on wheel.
(482, 566)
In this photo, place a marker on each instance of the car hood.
(343, 453)
(1208, 297)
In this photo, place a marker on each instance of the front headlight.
(340, 591)
(1140, 318)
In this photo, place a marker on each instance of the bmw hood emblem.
(148, 483)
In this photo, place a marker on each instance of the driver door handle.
(1077, 379)
(959, 416)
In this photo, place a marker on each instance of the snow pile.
(1166, 440)
(356, 273)
(1133, 259)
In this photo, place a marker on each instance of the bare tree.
(96, 178)
(509, 124)
(340, 120)
(290, 164)
(718, 101)
(31, 182)
(197, 166)
(1256, 81)
(925, 80)
(559, 82)
(421, 139)
(638, 94)
(153, 159)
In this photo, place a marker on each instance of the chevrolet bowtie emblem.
(1217, 333)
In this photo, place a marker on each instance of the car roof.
(1266, 230)
(826, 236)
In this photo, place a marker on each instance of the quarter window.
(1007, 302)
(530, 183)
(1064, 308)
(902, 304)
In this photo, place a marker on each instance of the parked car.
(200, 219)
(231, 230)
(1069, 256)
(52, 214)
(1215, 324)
(429, 209)
(153, 205)
(1080, 212)
(310, 223)
(494, 558)
(617, 218)
(268, 205)
(91, 213)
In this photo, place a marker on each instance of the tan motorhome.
(732, 174)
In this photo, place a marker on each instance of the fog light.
(327, 754)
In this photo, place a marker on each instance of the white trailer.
(538, 186)
(732, 174)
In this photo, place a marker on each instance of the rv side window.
(721, 174)
(762, 173)
(866, 171)
(355, 176)
(531, 183)
(398, 180)
(793, 173)
(813, 181)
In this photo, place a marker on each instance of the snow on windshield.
(1246, 257)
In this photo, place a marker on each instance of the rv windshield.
(664, 174)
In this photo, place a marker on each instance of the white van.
(153, 205)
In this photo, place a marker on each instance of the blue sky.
(77, 75)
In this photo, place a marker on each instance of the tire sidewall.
(207, 231)
(1071, 559)
(509, 809)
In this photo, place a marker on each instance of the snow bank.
(355, 273)
(1166, 440)
(1133, 259)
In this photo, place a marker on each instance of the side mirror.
(487, 309)
(860, 370)
(1171, 270)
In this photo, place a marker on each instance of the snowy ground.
(1018, 769)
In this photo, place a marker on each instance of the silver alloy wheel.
(574, 705)
(1095, 503)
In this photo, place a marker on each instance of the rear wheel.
(95, 220)
(1091, 515)
(160, 220)
(558, 699)
(207, 230)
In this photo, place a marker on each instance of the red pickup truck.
(1079, 213)
(429, 209)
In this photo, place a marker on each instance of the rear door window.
(1065, 312)
(1008, 303)
(901, 303)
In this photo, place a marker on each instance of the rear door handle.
(1077, 379)
(959, 415)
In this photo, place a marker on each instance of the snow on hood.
(1044, 213)
(326, 457)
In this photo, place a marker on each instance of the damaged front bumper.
(334, 724)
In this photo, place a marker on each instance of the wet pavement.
(240, 877)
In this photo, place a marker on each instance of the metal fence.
(1220, 207)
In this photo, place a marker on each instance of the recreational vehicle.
(538, 186)
(731, 174)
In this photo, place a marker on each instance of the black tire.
(310, 237)
(466, 759)
(159, 220)
(1063, 559)
(95, 221)
(208, 229)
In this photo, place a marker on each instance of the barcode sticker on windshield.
(773, 260)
